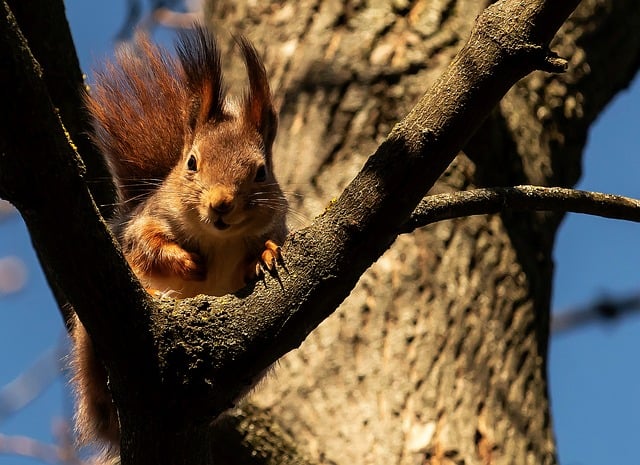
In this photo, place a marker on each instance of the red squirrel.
(199, 208)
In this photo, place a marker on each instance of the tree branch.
(24, 446)
(605, 309)
(43, 176)
(260, 440)
(46, 30)
(45, 27)
(32, 382)
(439, 207)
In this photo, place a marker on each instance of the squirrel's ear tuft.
(258, 103)
(199, 55)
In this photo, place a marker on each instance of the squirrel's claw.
(158, 294)
(268, 260)
(271, 255)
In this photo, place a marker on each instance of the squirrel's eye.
(261, 174)
(192, 164)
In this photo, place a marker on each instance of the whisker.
(125, 202)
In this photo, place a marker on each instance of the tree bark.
(439, 354)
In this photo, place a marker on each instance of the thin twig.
(28, 386)
(25, 446)
(434, 208)
(604, 309)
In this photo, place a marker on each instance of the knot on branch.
(517, 40)
(544, 59)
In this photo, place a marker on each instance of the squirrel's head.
(227, 161)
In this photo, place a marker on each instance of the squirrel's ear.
(199, 55)
(258, 104)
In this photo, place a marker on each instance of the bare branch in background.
(28, 447)
(67, 448)
(167, 13)
(13, 272)
(13, 275)
(440, 207)
(6, 209)
(17, 394)
(32, 382)
(25, 446)
(605, 309)
(446, 206)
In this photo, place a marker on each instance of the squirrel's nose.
(221, 200)
(222, 206)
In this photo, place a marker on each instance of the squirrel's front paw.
(268, 260)
(178, 262)
(191, 266)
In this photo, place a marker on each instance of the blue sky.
(594, 381)
(593, 386)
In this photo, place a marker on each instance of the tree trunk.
(439, 355)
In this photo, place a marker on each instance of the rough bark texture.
(53, 48)
(439, 355)
(56, 55)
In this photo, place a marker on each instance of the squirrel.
(199, 208)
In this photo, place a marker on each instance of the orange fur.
(164, 257)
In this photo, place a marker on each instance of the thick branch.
(261, 441)
(439, 207)
(42, 175)
(45, 27)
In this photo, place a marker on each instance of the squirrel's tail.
(137, 105)
(96, 419)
